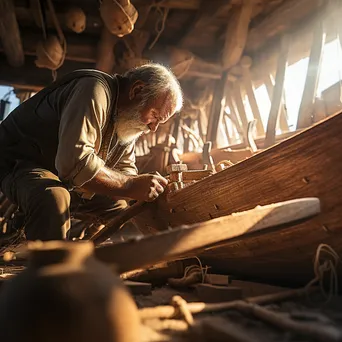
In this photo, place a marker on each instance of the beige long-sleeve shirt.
(83, 119)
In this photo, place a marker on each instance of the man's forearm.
(109, 182)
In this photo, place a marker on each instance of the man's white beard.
(128, 126)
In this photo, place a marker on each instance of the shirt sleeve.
(82, 117)
(127, 162)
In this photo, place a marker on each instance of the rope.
(61, 39)
(326, 268)
(160, 24)
(182, 309)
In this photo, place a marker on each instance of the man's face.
(157, 111)
(137, 119)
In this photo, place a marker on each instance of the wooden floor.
(308, 164)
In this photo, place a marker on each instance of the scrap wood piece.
(216, 294)
(250, 289)
(183, 241)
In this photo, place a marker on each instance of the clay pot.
(119, 16)
(75, 19)
(66, 295)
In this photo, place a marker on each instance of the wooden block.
(176, 168)
(214, 294)
(192, 175)
(137, 288)
(252, 289)
(217, 279)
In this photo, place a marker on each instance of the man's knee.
(52, 199)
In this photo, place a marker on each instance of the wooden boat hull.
(308, 164)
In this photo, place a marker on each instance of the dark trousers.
(47, 203)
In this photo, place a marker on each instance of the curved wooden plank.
(185, 240)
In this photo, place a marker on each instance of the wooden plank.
(217, 107)
(306, 109)
(10, 35)
(282, 122)
(300, 166)
(246, 63)
(236, 34)
(278, 92)
(284, 17)
(183, 241)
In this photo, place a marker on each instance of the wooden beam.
(283, 18)
(206, 14)
(105, 60)
(10, 35)
(306, 109)
(282, 122)
(278, 92)
(217, 108)
(81, 48)
(236, 34)
(29, 77)
(84, 50)
(185, 240)
(246, 63)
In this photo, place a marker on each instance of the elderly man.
(72, 146)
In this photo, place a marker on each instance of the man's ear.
(136, 89)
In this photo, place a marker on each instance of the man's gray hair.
(159, 80)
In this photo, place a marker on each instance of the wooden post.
(282, 122)
(236, 34)
(233, 113)
(306, 107)
(278, 92)
(240, 107)
(246, 63)
(217, 108)
(10, 35)
(105, 51)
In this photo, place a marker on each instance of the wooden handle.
(186, 240)
(113, 225)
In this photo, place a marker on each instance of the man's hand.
(146, 187)
(114, 184)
